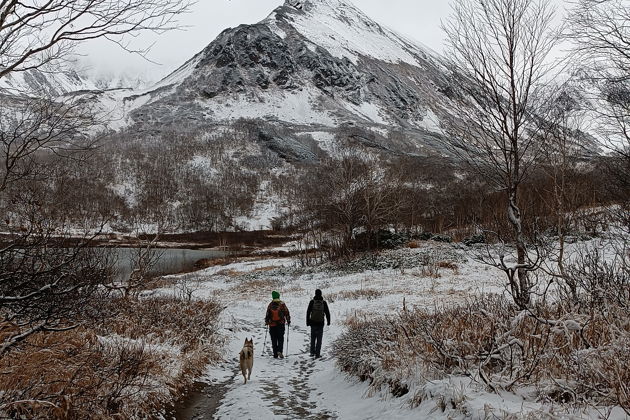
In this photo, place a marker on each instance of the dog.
(247, 359)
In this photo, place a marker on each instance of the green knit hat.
(275, 295)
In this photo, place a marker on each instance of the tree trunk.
(521, 285)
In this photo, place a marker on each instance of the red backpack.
(276, 314)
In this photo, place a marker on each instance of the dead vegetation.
(368, 294)
(129, 363)
(569, 355)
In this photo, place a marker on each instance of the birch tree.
(501, 50)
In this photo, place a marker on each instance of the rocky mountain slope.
(313, 66)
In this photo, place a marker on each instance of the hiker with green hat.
(277, 316)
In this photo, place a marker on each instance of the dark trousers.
(277, 339)
(317, 331)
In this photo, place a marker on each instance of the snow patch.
(264, 211)
(369, 111)
(293, 106)
(325, 140)
(204, 165)
(430, 122)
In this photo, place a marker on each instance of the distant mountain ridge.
(39, 83)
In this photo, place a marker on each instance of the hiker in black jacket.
(317, 309)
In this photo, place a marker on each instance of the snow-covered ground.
(301, 387)
(305, 388)
(294, 106)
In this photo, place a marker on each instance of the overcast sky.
(418, 19)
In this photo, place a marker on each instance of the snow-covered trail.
(297, 387)
(278, 388)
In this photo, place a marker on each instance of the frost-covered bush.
(424, 236)
(442, 238)
(568, 356)
(392, 240)
(393, 259)
(129, 364)
(600, 277)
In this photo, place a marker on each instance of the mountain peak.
(319, 63)
(297, 4)
(313, 4)
(345, 31)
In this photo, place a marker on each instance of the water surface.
(170, 260)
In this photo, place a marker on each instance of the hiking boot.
(275, 356)
(280, 355)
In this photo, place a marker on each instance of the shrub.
(448, 264)
(368, 294)
(474, 239)
(568, 356)
(442, 238)
(424, 236)
(129, 363)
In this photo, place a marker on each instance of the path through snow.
(297, 387)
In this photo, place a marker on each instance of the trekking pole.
(288, 330)
(265, 343)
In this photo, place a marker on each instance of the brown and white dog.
(247, 359)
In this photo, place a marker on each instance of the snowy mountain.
(107, 81)
(313, 62)
(311, 65)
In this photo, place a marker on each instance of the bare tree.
(42, 34)
(142, 261)
(34, 130)
(46, 278)
(501, 48)
(44, 288)
(332, 200)
(600, 31)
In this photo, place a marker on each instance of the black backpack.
(317, 312)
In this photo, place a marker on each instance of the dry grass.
(569, 357)
(368, 294)
(448, 265)
(212, 262)
(248, 289)
(128, 364)
(228, 272)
